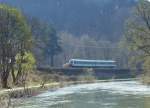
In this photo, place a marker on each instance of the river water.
(124, 94)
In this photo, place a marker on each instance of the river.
(120, 94)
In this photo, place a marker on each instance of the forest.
(74, 53)
(83, 27)
(28, 42)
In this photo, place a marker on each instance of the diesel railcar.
(82, 63)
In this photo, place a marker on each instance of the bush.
(87, 76)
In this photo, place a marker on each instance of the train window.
(75, 62)
(78, 62)
(71, 62)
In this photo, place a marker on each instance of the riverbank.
(115, 94)
(20, 92)
(36, 89)
(38, 81)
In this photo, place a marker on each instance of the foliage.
(24, 65)
(27, 62)
(87, 76)
(46, 39)
(138, 35)
(138, 30)
(102, 19)
(15, 37)
(147, 64)
(87, 47)
(52, 46)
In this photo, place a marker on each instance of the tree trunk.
(13, 70)
(19, 73)
(4, 83)
(52, 60)
(13, 75)
(4, 78)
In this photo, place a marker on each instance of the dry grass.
(5, 101)
(87, 76)
(145, 79)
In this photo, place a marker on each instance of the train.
(84, 63)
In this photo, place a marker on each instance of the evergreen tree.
(52, 46)
(46, 40)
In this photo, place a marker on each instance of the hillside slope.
(99, 18)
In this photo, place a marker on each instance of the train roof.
(86, 60)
